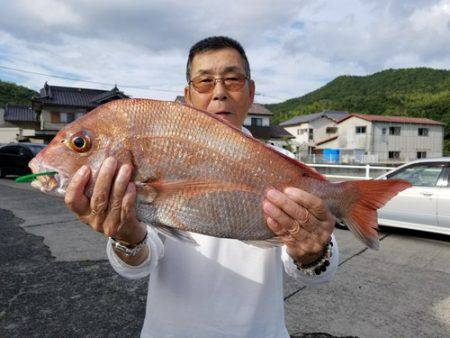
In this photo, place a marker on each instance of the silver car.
(426, 205)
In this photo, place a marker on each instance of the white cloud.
(293, 46)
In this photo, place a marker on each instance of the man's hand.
(301, 220)
(111, 209)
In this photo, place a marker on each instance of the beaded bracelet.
(319, 265)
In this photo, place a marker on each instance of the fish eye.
(80, 142)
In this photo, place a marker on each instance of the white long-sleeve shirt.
(222, 288)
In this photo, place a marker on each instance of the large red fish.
(195, 172)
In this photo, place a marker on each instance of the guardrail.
(367, 168)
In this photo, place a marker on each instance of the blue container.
(331, 155)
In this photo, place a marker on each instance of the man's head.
(218, 75)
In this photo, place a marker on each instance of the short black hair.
(216, 43)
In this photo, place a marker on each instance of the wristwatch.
(129, 250)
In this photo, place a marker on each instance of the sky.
(294, 47)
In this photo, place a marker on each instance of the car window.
(35, 149)
(9, 150)
(425, 175)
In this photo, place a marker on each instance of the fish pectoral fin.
(266, 243)
(164, 188)
(174, 233)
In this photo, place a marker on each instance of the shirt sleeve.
(291, 268)
(156, 252)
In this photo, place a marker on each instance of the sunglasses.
(206, 83)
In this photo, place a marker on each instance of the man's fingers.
(75, 199)
(290, 207)
(277, 215)
(310, 202)
(128, 214)
(100, 195)
(113, 217)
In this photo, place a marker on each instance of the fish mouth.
(46, 183)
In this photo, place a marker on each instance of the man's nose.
(219, 91)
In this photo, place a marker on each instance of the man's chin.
(228, 118)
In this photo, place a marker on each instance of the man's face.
(229, 105)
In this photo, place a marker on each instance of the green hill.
(10, 92)
(414, 92)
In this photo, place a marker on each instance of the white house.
(18, 122)
(378, 138)
(308, 130)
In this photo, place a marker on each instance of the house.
(386, 139)
(18, 122)
(310, 129)
(56, 106)
(258, 123)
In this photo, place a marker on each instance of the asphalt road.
(55, 281)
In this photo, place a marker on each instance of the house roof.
(76, 97)
(393, 119)
(259, 109)
(19, 113)
(255, 109)
(268, 132)
(326, 140)
(334, 115)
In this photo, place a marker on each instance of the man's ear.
(251, 90)
(187, 96)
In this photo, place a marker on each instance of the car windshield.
(425, 175)
(35, 149)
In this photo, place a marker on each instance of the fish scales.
(194, 172)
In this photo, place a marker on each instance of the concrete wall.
(347, 137)
(408, 142)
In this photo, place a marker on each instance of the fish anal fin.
(265, 243)
(175, 234)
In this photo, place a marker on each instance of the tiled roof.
(331, 114)
(326, 140)
(76, 97)
(19, 113)
(269, 132)
(259, 109)
(255, 109)
(393, 119)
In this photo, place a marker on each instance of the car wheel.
(341, 225)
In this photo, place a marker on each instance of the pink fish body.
(197, 173)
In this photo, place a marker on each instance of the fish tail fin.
(361, 215)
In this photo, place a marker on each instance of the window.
(394, 154)
(298, 131)
(383, 131)
(422, 175)
(361, 130)
(310, 134)
(54, 117)
(394, 130)
(331, 130)
(79, 114)
(423, 131)
(421, 154)
(67, 117)
(256, 121)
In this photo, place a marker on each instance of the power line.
(88, 81)
(106, 83)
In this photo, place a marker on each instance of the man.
(223, 287)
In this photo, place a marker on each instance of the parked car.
(426, 205)
(14, 158)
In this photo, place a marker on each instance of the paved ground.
(55, 281)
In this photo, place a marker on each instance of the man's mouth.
(223, 113)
